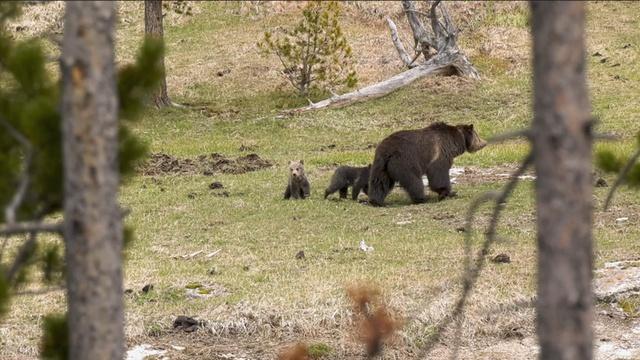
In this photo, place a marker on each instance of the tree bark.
(92, 222)
(562, 144)
(153, 28)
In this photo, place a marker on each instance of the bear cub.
(405, 156)
(346, 176)
(298, 186)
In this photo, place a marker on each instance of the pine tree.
(315, 52)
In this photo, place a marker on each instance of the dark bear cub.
(346, 176)
(298, 186)
(405, 156)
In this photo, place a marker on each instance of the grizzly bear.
(298, 186)
(346, 176)
(405, 156)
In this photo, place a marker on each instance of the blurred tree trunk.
(93, 226)
(562, 150)
(153, 28)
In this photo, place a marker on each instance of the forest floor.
(219, 244)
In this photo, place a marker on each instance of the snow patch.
(140, 352)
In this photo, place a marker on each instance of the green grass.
(418, 254)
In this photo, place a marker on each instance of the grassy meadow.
(253, 294)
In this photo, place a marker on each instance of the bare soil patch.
(165, 164)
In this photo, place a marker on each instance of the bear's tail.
(379, 181)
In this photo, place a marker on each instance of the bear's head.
(472, 141)
(296, 168)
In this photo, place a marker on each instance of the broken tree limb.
(444, 63)
(404, 56)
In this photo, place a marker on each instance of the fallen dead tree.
(438, 46)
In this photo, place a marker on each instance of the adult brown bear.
(405, 156)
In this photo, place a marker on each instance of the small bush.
(315, 53)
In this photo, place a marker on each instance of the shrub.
(315, 52)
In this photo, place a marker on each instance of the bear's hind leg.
(439, 182)
(413, 186)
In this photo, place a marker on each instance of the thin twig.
(18, 197)
(621, 177)
(31, 226)
(472, 274)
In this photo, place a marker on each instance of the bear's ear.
(301, 162)
(470, 127)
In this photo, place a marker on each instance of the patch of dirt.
(165, 164)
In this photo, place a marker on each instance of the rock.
(128, 291)
(147, 288)
(501, 259)
(617, 279)
(222, 73)
(185, 323)
(461, 229)
(216, 185)
(601, 183)
(300, 255)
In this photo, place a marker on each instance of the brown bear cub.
(346, 176)
(298, 186)
(405, 156)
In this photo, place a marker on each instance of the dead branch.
(18, 197)
(621, 177)
(472, 273)
(42, 291)
(404, 56)
(31, 226)
(448, 59)
(22, 257)
(376, 90)
(422, 39)
(526, 133)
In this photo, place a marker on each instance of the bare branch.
(404, 56)
(22, 257)
(435, 26)
(526, 133)
(472, 273)
(621, 177)
(420, 34)
(18, 197)
(31, 226)
(39, 291)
